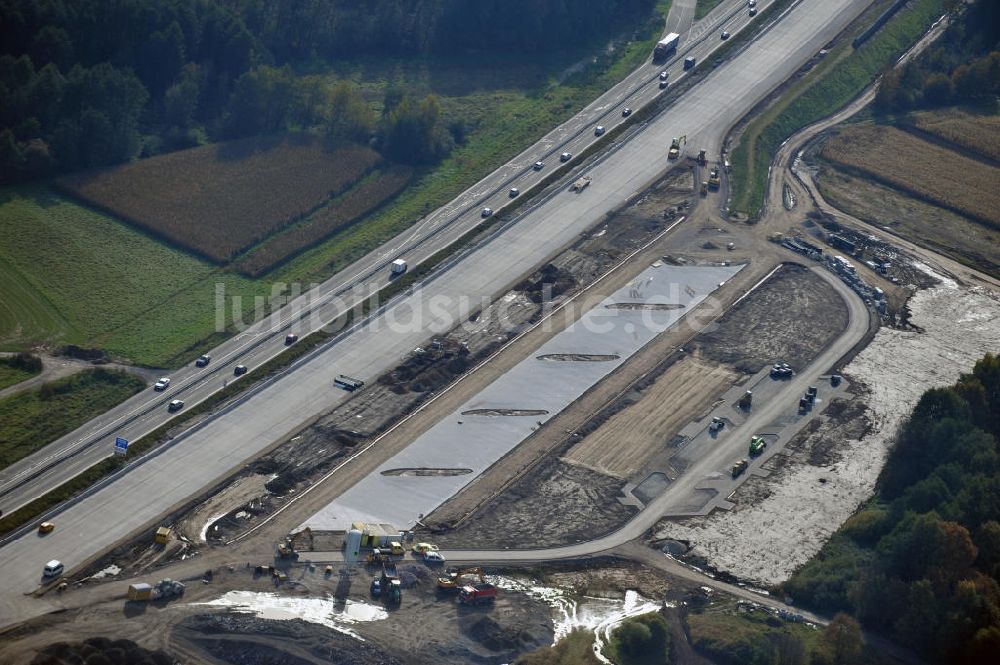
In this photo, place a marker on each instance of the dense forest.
(921, 563)
(963, 67)
(88, 83)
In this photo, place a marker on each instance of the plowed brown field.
(219, 200)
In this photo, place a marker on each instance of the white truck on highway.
(666, 46)
(398, 267)
(581, 184)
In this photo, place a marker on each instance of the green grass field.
(30, 420)
(74, 275)
(838, 78)
(728, 637)
(11, 375)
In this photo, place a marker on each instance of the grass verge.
(839, 77)
(31, 420)
(15, 369)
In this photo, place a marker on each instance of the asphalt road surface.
(65, 458)
(195, 460)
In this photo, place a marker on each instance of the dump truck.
(757, 445)
(739, 467)
(453, 582)
(477, 594)
(675, 148)
(165, 588)
(713, 178)
(581, 184)
(702, 157)
(666, 46)
(391, 587)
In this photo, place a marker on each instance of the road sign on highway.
(121, 446)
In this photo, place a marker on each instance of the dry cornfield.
(220, 200)
(919, 168)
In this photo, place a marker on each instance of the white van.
(53, 568)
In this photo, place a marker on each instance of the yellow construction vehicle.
(454, 582)
(713, 178)
(675, 148)
(378, 556)
(704, 188)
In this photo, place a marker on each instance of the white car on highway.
(433, 557)
(162, 384)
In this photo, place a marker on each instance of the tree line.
(962, 68)
(921, 563)
(88, 83)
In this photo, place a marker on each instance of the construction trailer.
(165, 588)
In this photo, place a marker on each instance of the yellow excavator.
(675, 147)
(454, 582)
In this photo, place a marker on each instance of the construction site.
(588, 471)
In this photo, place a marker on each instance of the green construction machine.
(757, 445)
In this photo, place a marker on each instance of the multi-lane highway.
(55, 464)
(198, 458)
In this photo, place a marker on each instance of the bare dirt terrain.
(621, 445)
(427, 627)
(560, 503)
(553, 503)
(833, 470)
(793, 316)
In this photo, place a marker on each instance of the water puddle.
(599, 615)
(338, 615)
